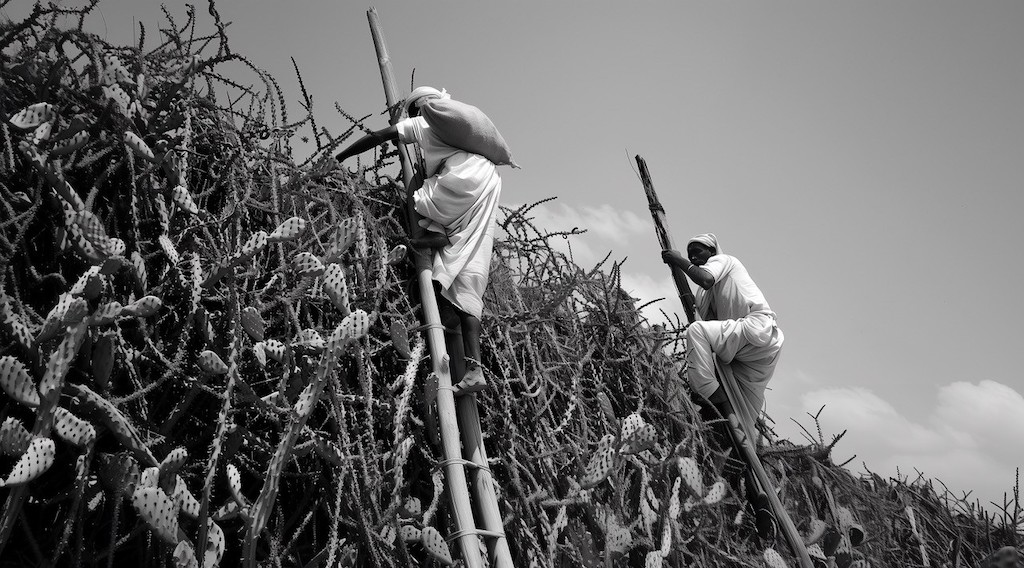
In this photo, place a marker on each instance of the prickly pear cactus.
(212, 351)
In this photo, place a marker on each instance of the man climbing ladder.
(459, 200)
(458, 422)
(739, 328)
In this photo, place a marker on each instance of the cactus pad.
(673, 501)
(289, 230)
(307, 265)
(256, 243)
(14, 438)
(630, 425)
(773, 559)
(355, 325)
(106, 314)
(306, 400)
(309, 339)
(397, 255)
(17, 383)
(235, 485)
(215, 543)
(343, 238)
(409, 533)
(690, 473)
(93, 231)
(715, 493)
(275, 349)
(639, 440)
(435, 545)
(336, 288)
(158, 510)
(598, 468)
(181, 197)
(72, 428)
(138, 146)
(211, 363)
(38, 458)
(253, 323)
(143, 307)
(89, 284)
(32, 116)
(400, 339)
(619, 539)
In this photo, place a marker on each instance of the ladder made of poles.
(462, 440)
(744, 439)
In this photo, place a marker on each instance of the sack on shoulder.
(466, 127)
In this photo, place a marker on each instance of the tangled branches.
(206, 351)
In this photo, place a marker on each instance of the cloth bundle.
(466, 127)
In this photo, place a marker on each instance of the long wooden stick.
(665, 239)
(746, 447)
(455, 473)
(483, 483)
(745, 442)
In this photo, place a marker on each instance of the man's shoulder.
(724, 259)
(722, 265)
(412, 128)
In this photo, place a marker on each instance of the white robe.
(458, 199)
(741, 331)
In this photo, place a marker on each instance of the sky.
(864, 160)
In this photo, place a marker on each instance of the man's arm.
(368, 141)
(430, 240)
(700, 276)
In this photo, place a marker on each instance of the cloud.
(969, 439)
(608, 228)
(989, 416)
(647, 289)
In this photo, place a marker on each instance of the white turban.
(706, 239)
(419, 95)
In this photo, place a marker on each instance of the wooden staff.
(743, 440)
(455, 473)
(665, 239)
(483, 483)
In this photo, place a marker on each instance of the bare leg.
(453, 338)
(462, 338)
(473, 380)
(471, 335)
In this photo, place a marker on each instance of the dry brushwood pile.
(209, 356)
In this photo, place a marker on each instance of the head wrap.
(707, 239)
(419, 95)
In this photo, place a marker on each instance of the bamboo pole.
(744, 445)
(665, 239)
(458, 490)
(483, 483)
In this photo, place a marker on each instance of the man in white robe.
(459, 202)
(738, 326)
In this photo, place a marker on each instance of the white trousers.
(750, 346)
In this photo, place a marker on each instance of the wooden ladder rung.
(479, 532)
(463, 462)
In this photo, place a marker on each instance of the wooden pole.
(483, 483)
(455, 474)
(665, 239)
(745, 445)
